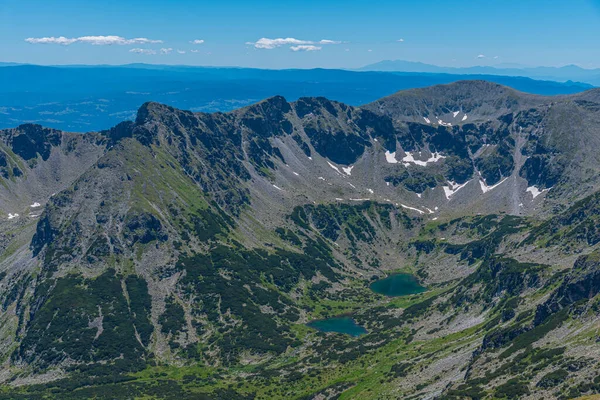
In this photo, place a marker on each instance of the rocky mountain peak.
(150, 111)
(154, 122)
(454, 104)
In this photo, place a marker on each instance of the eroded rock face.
(542, 170)
(29, 140)
(43, 235)
(5, 170)
(143, 228)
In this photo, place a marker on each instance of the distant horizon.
(495, 66)
(92, 98)
(300, 34)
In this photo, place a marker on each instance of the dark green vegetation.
(575, 229)
(357, 222)
(251, 254)
(397, 285)
(230, 271)
(86, 321)
(232, 284)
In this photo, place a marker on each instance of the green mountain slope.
(182, 255)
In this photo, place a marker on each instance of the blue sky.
(449, 33)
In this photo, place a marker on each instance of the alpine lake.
(395, 285)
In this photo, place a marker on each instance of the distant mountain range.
(561, 74)
(89, 98)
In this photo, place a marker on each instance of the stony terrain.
(181, 255)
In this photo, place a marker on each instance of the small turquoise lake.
(338, 324)
(398, 285)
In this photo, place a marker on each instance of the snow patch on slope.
(334, 167)
(485, 188)
(413, 208)
(452, 188)
(535, 192)
(410, 159)
(390, 157)
(348, 170)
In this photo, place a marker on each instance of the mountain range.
(191, 255)
(559, 74)
(90, 98)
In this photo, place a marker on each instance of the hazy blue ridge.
(90, 98)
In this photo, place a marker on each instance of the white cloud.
(166, 50)
(326, 41)
(496, 57)
(266, 43)
(305, 47)
(197, 41)
(481, 56)
(400, 40)
(93, 40)
(51, 40)
(370, 50)
(194, 51)
(181, 51)
(143, 51)
(269, 44)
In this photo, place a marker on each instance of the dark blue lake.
(398, 285)
(338, 324)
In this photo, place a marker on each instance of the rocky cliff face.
(191, 239)
(36, 162)
(580, 285)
